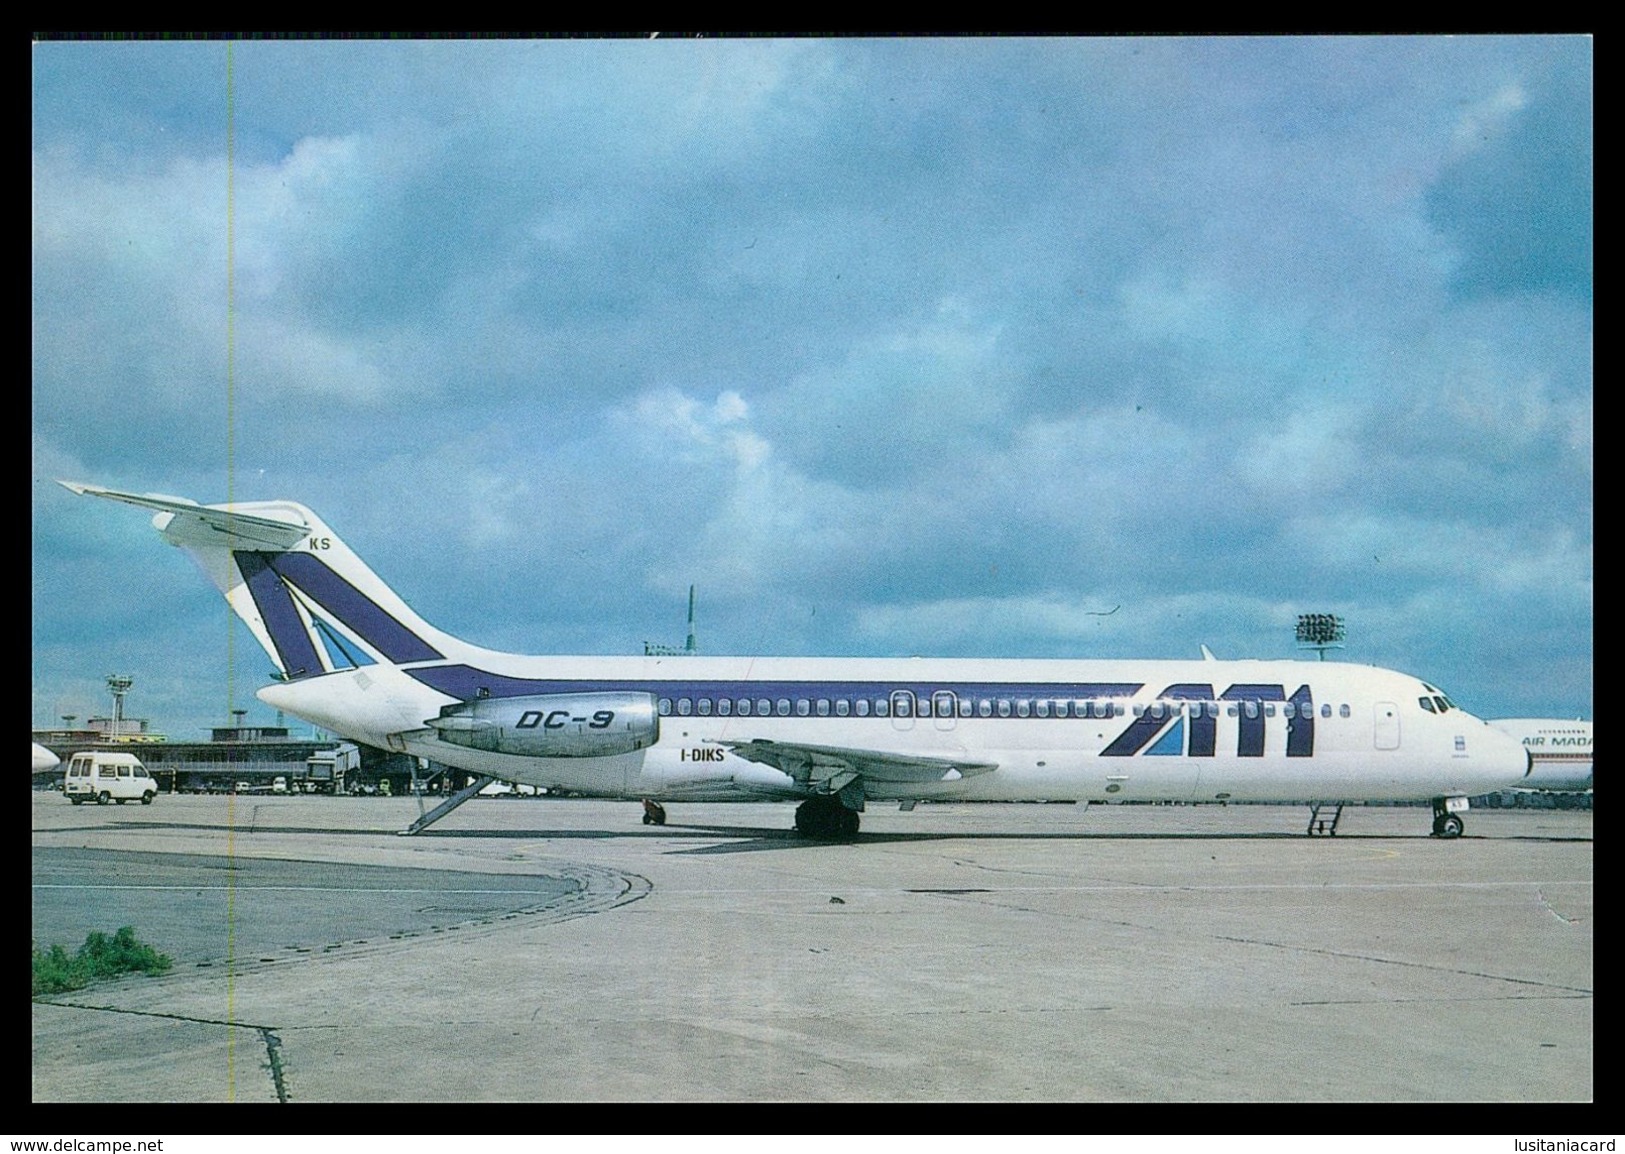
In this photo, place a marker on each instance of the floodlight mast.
(1320, 632)
(118, 684)
(650, 649)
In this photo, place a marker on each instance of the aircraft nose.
(1507, 763)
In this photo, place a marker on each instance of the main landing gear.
(1445, 823)
(826, 819)
(653, 813)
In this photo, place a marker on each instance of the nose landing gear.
(1445, 823)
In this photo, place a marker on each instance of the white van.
(105, 777)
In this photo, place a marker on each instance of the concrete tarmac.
(561, 951)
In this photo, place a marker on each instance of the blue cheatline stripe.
(294, 648)
(468, 683)
(350, 607)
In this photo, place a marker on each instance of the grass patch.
(100, 958)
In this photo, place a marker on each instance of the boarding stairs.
(445, 807)
(1323, 817)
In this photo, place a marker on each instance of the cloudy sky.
(1004, 347)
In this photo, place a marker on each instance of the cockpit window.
(1426, 703)
(1443, 705)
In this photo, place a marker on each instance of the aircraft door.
(945, 708)
(1387, 725)
(902, 710)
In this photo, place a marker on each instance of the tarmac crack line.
(1549, 908)
(273, 1058)
(272, 1043)
(1349, 954)
(975, 898)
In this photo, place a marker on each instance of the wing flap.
(830, 769)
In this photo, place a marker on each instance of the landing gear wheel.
(654, 813)
(826, 819)
(1445, 823)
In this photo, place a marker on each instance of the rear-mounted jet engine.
(553, 725)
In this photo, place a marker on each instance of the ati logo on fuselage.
(1161, 730)
(702, 754)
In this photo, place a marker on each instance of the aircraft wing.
(830, 769)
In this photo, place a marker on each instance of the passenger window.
(1024, 708)
(863, 707)
(705, 707)
(1269, 709)
(1139, 710)
(665, 707)
(823, 707)
(1251, 707)
(842, 707)
(1232, 710)
(1041, 708)
(1289, 711)
(965, 706)
(984, 708)
(882, 707)
(763, 707)
(744, 707)
(803, 707)
(1342, 711)
(782, 707)
(684, 706)
(725, 706)
(1325, 710)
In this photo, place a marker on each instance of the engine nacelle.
(553, 725)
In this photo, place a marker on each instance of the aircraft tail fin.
(313, 605)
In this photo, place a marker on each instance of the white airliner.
(831, 733)
(1559, 752)
(44, 759)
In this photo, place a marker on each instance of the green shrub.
(100, 958)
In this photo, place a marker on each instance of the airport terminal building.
(236, 757)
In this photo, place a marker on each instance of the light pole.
(1320, 632)
(118, 685)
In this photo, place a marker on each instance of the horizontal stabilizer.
(185, 522)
